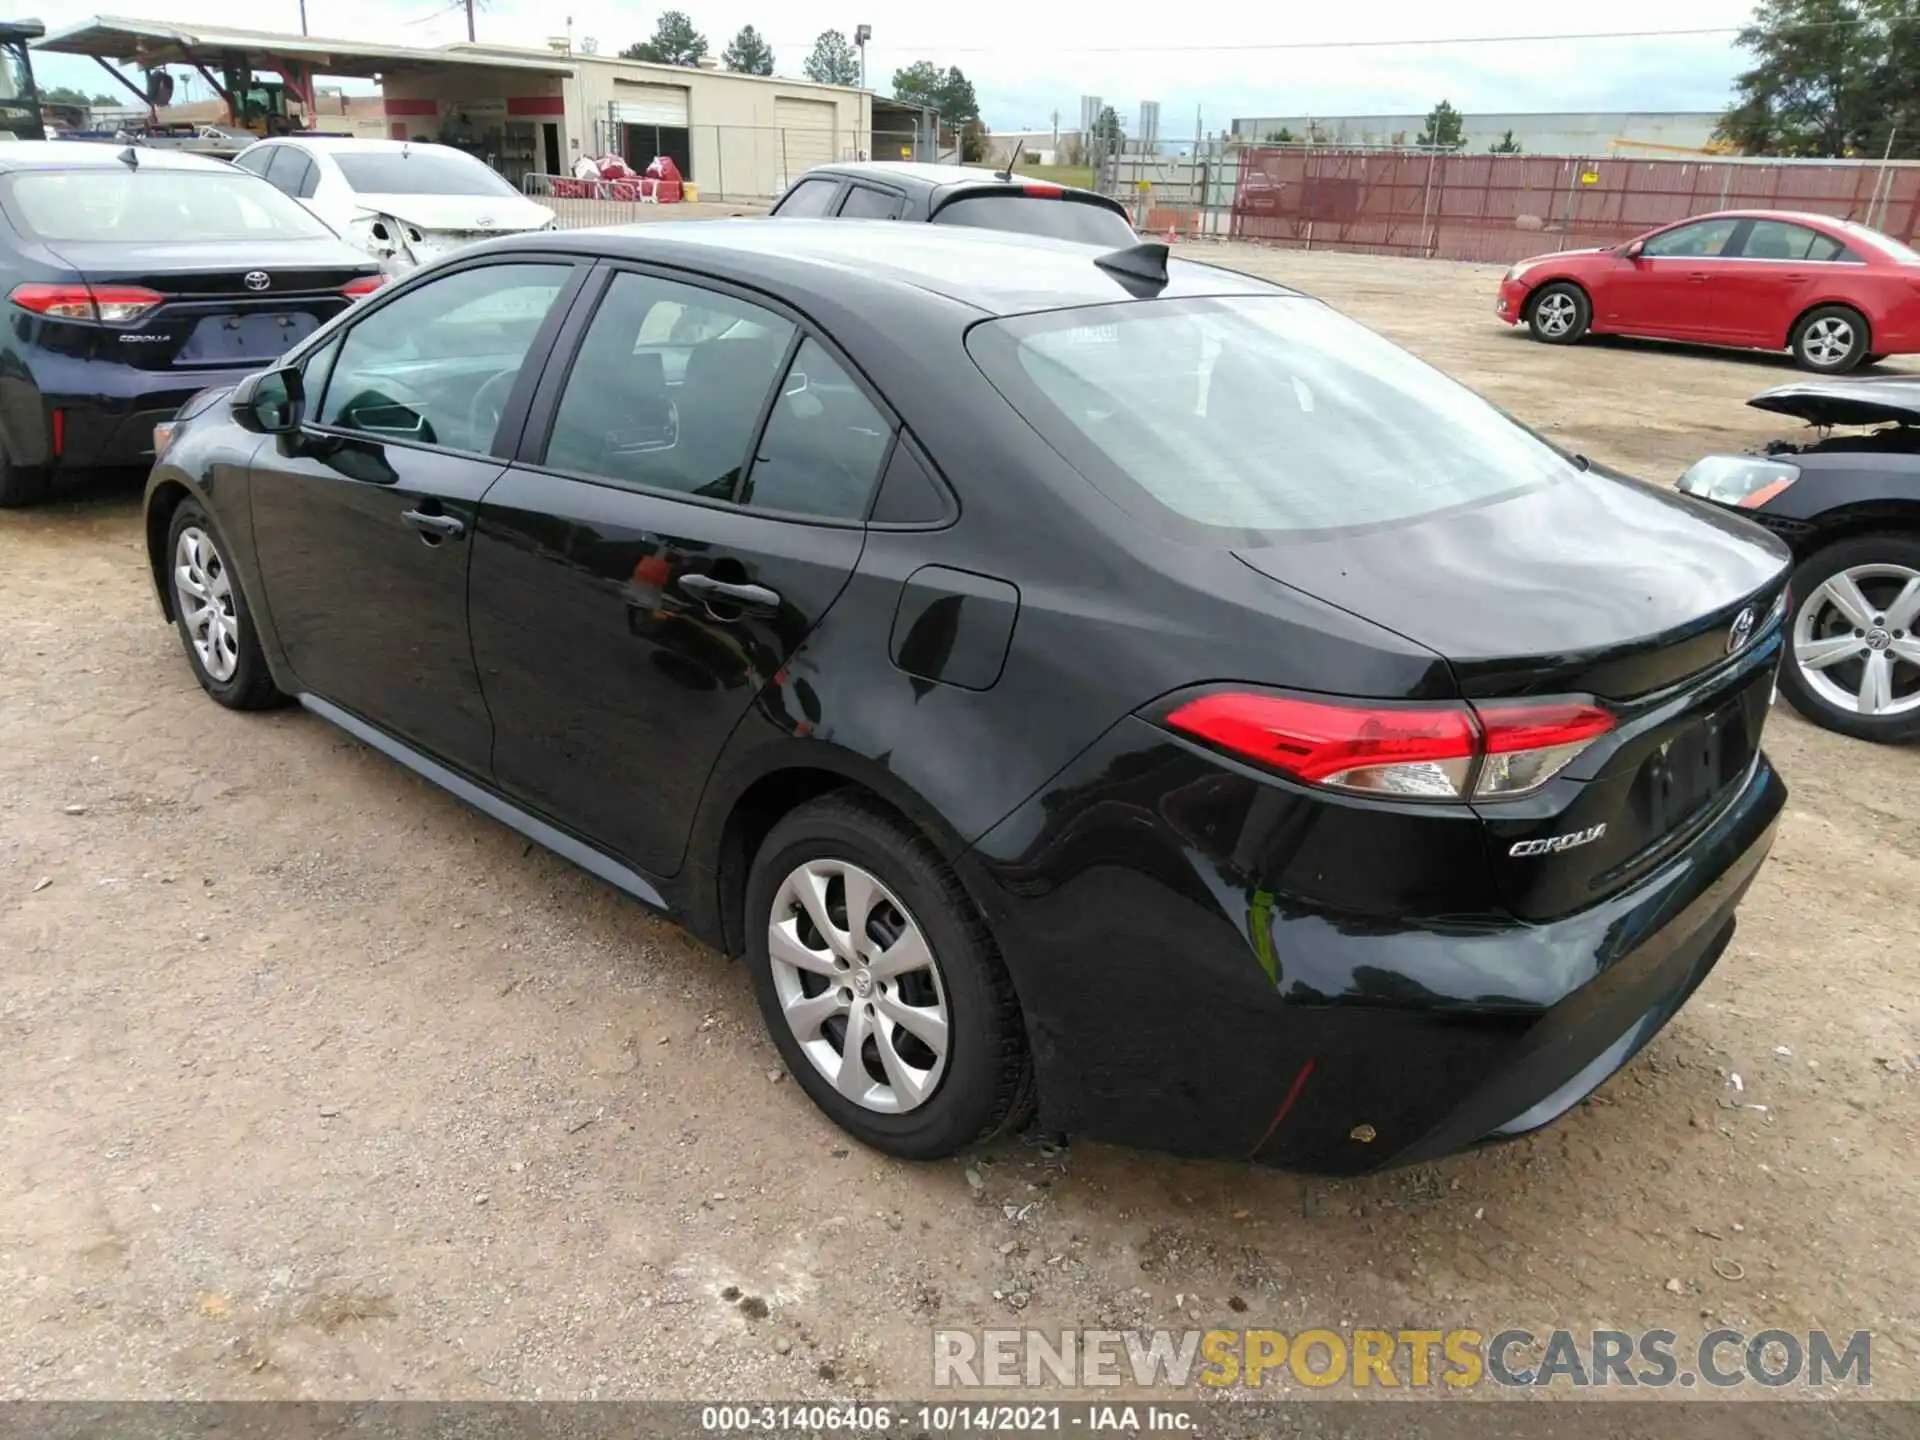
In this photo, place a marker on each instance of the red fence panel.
(1504, 207)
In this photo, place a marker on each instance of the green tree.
(1505, 145)
(974, 140)
(67, 95)
(1445, 128)
(948, 91)
(1282, 136)
(1107, 129)
(1830, 77)
(674, 42)
(748, 53)
(834, 61)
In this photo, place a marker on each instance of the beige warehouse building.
(533, 112)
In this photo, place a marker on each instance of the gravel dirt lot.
(318, 1084)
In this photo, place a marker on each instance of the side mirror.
(1631, 250)
(268, 402)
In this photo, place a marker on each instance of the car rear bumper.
(104, 415)
(1175, 1000)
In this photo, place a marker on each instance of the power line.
(1409, 43)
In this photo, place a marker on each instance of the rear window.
(151, 205)
(418, 170)
(1242, 420)
(1905, 254)
(1054, 216)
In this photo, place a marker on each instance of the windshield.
(419, 170)
(1053, 216)
(145, 206)
(1229, 420)
(1903, 253)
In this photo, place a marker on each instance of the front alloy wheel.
(1855, 665)
(203, 598)
(210, 612)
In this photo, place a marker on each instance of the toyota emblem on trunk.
(1742, 630)
(257, 280)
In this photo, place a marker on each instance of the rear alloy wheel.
(211, 613)
(880, 983)
(1559, 313)
(1831, 340)
(1854, 664)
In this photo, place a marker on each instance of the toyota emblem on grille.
(257, 280)
(1742, 630)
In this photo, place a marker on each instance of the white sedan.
(404, 202)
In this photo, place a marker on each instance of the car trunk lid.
(221, 306)
(1666, 613)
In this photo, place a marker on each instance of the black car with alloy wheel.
(133, 278)
(1847, 501)
(1070, 677)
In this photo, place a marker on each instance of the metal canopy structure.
(151, 43)
(225, 57)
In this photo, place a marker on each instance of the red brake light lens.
(1040, 187)
(364, 286)
(113, 304)
(1431, 752)
(1411, 750)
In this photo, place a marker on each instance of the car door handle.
(443, 527)
(1697, 275)
(750, 599)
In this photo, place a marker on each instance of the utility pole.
(862, 34)
(469, 20)
(303, 17)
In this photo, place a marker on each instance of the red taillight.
(1040, 187)
(364, 286)
(113, 304)
(1443, 752)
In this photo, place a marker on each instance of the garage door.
(649, 104)
(806, 135)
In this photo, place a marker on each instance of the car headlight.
(1516, 271)
(1738, 480)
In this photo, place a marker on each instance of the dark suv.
(956, 195)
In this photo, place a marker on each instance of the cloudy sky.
(1027, 60)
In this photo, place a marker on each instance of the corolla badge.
(1742, 629)
(1555, 844)
(256, 280)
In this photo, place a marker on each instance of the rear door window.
(1780, 240)
(667, 388)
(1057, 217)
(824, 443)
(1242, 421)
(809, 197)
(864, 202)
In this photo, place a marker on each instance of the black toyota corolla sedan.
(133, 278)
(1065, 675)
(1848, 502)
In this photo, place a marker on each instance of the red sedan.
(1834, 293)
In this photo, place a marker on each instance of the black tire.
(986, 1085)
(1798, 685)
(22, 485)
(250, 686)
(1549, 328)
(1871, 359)
(1811, 337)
